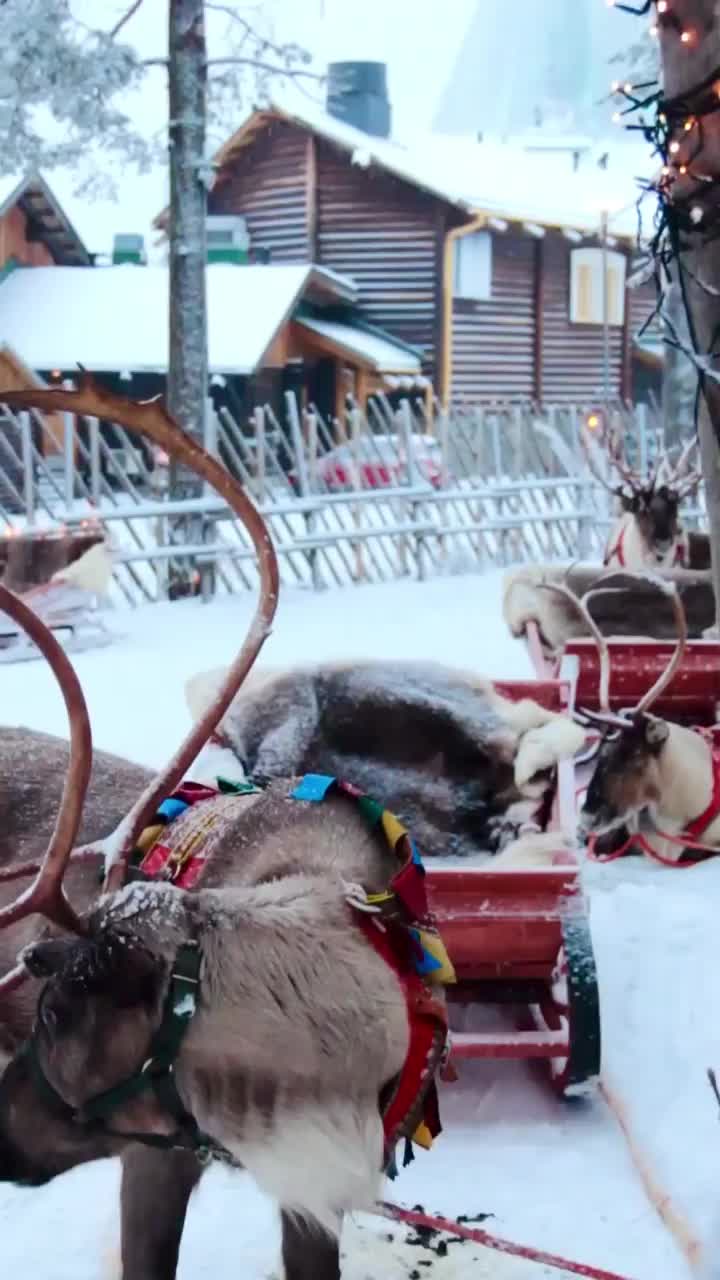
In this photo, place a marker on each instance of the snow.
(557, 1177)
(55, 317)
(384, 355)
(518, 178)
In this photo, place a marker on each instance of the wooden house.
(496, 290)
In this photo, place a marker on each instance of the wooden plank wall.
(382, 232)
(14, 242)
(493, 342)
(268, 187)
(572, 353)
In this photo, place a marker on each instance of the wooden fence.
(364, 499)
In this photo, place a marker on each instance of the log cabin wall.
(267, 184)
(383, 233)
(14, 242)
(572, 354)
(493, 342)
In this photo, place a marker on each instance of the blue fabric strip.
(314, 787)
(171, 809)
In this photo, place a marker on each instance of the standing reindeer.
(654, 782)
(208, 988)
(649, 533)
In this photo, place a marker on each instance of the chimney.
(357, 94)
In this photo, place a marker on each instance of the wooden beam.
(311, 197)
(538, 318)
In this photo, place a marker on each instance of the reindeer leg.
(156, 1187)
(308, 1254)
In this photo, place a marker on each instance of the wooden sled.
(68, 605)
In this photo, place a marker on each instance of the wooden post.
(259, 417)
(95, 471)
(28, 465)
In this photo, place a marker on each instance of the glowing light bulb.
(674, 148)
(686, 36)
(689, 124)
(627, 87)
(593, 422)
(683, 168)
(662, 6)
(696, 214)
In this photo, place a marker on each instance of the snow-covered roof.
(381, 353)
(116, 318)
(531, 179)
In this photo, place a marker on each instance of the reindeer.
(276, 957)
(462, 765)
(624, 605)
(655, 782)
(648, 533)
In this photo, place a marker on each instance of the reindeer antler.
(152, 419)
(671, 592)
(610, 440)
(46, 895)
(683, 477)
(581, 608)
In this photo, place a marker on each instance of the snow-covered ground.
(556, 1177)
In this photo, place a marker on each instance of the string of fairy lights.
(688, 208)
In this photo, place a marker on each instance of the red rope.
(639, 841)
(413, 1218)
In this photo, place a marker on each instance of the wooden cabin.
(500, 296)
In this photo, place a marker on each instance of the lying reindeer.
(278, 957)
(462, 765)
(649, 533)
(654, 783)
(623, 603)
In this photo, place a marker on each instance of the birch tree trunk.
(686, 63)
(187, 385)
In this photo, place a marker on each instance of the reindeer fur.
(657, 776)
(300, 1024)
(156, 1185)
(633, 608)
(439, 746)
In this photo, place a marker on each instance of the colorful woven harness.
(397, 923)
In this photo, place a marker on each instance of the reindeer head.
(95, 1018)
(626, 780)
(656, 511)
(653, 501)
(97, 1012)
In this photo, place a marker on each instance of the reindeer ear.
(43, 959)
(656, 733)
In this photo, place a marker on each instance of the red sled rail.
(520, 940)
(693, 695)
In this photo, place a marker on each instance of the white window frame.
(586, 287)
(472, 273)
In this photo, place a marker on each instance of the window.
(586, 287)
(473, 266)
